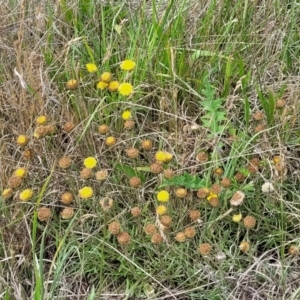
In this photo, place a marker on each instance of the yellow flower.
(237, 218)
(161, 210)
(90, 162)
(41, 120)
(163, 196)
(101, 85)
(7, 193)
(20, 172)
(86, 192)
(211, 195)
(92, 68)
(72, 84)
(113, 86)
(125, 89)
(127, 65)
(163, 156)
(160, 156)
(126, 115)
(106, 77)
(22, 140)
(25, 195)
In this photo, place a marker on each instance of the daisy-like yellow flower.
(41, 120)
(163, 196)
(163, 156)
(161, 210)
(169, 157)
(127, 65)
(106, 77)
(20, 172)
(91, 68)
(237, 218)
(22, 140)
(25, 195)
(113, 86)
(72, 84)
(125, 89)
(126, 115)
(90, 162)
(101, 85)
(7, 193)
(86, 192)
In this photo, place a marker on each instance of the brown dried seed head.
(103, 129)
(146, 145)
(249, 222)
(50, 129)
(215, 188)
(123, 238)
(135, 182)
(255, 161)
(168, 173)
(190, 232)
(14, 181)
(166, 220)
(68, 127)
(194, 215)
(156, 168)
(280, 103)
(101, 175)
(27, 154)
(40, 132)
(258, 115)
(259, 128)
(132, 152)
(136, 212)
(252, 168)
(114, 228)
(294, 250)
(65, 162)
(67, 213)
(239, 177)
(214, 202)
(202, 157)
(180, 237)
(150, 229)
(66, 198)
(226, 182)
(129, 124)
(181, 193)
(156, 238)
(86, 173)
(237, 198)
(244, 246)
(203, 193)
(44, 214)
(204, 249)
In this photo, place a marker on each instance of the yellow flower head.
(7, 193)
(25, 195)
(211, 195)
(237, 218)
(72, 84)
(163, 156)
(106, 77)
(41, 120)
(125, 89)
(86, 192)
(90, 162)
(101, 85)
(163, 196)
(161, 210)
(22, 140)
(91, 68)
(127, 65)
(113, 86)
(126, 115)
(20, 172)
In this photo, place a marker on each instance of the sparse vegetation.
(149, 149)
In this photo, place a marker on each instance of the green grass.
(202, 71)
